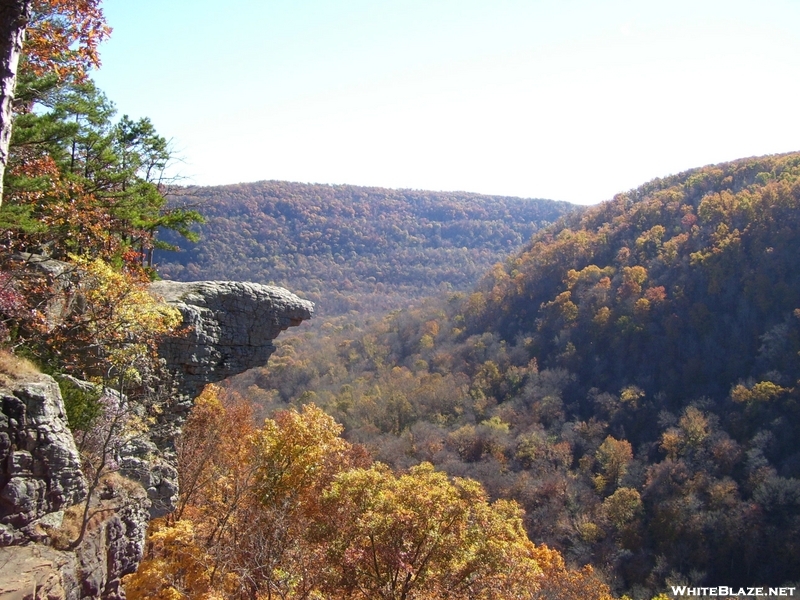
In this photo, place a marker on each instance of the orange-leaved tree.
(249, 495)
(62, 38)
(291, 510)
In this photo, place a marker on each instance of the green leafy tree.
(79, 182)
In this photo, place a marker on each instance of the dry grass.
(116, 484)
(112, 494)
(14, 368)
(62, 537)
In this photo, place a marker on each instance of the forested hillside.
(283, 508)
(348, 247)
(614, 408)
(630, 378)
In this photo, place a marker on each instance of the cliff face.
(229, 328)
(40, 470)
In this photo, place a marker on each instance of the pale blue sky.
(572, 99)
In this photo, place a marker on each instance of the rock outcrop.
(40, 470)
(42, 489)
(228, 328)
(114, 543)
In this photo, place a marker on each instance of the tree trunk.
(14, 16)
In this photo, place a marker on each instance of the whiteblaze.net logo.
(732, 592)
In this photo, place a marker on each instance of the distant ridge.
(353, 248)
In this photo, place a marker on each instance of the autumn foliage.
(291, 510)
(623, 389)
(630, 378)
(63, 37)
(347, 247)
(87, 190)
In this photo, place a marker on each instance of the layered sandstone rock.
(40, 470)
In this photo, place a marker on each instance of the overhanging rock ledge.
(229, 328)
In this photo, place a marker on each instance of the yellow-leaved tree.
(422, 535)
(119, 323)
(109, 336)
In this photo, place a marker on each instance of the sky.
(572, 100)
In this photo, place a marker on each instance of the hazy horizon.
(572, 101)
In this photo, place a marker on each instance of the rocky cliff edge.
(228, 328)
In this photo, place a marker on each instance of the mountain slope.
(348, 247)
(630, 377)
(687, 284)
